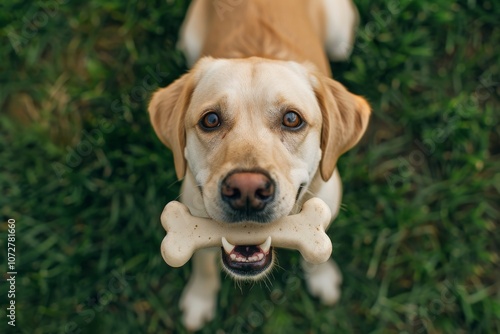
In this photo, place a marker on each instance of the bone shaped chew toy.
(304, 232)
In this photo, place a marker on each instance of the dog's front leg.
(323, 280)
(199, 298)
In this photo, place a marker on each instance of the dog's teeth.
(227, 246)
(260, 256)
(266, 245)
(232, 256)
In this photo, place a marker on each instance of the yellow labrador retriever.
(256, 127)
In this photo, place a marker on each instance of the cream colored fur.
(263, 56)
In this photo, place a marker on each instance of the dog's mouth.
(247, 261)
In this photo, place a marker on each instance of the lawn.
(85, 178)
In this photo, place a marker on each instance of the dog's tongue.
(246, 254)
(247, 259)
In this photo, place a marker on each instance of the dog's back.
(280, 29)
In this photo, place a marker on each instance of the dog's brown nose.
(247, 191)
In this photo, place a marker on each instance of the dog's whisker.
(174, 183)
(236, 282)
(268, 280)
(277, 265)
(308, 191)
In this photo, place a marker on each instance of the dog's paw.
(323, 281)
(198, 306)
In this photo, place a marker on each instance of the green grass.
(85, 178)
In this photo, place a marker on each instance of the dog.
(256, 128)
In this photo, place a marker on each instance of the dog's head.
(254, 132)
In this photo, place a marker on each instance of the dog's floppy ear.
(345, 118)
(166, 111)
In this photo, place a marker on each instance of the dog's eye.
(210, 121)
(292, 120)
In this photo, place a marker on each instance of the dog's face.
(252, 138)
(253, 133)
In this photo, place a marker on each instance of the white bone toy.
(304, 232)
